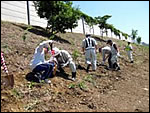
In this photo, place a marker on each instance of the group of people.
(61, 58)
(89, 47)
(44, 69)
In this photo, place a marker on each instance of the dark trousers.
(45, 70)
(109, 61)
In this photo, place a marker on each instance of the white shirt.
(106, 50)
(64, 58)
(39, 55)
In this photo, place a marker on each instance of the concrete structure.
(16, 11)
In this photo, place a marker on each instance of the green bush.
(75, 55)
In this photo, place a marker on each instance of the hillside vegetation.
(101, 91)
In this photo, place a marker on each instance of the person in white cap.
(114, 55)
(129, 50)
(89, 48)
(105, 51)
(39, 65)
(64, 59)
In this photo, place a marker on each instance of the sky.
(126, 15)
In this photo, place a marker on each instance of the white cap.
(56, 50)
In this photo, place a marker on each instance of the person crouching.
(64, 59)
(39, 66)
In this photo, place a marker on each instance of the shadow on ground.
(42, 32)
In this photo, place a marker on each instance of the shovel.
(7, 81)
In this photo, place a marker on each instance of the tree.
(102, 22)
(111, 27)
(139, 40)
(60, 15)
(91, 23)
(134, 34)
(85, 18)
(125, 35)
(76, 15)
(117, 32)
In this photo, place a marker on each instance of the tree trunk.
(102, 32)
(47, 27)
(106, 33)
(71, 30)
(83, 26)
(119, 36)
(111, 34)
(93, 29)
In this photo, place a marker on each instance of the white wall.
(16, 11)
(34, 18)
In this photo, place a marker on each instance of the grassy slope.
(99, 91)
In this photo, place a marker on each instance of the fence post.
(83, 25)
(28, 13)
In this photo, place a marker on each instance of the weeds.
(72, 43)
(88, 78)
(31, 85)
(31, 106)
(52, 37)
(5, 46)
(75, 55)
(26, 32)
(16, 93)
(71, 86)
(82, 85)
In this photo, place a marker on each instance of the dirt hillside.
(126, 90)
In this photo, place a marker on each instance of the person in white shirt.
(64, 59)
(89, 48)
(38, 64)
(114, 55)
(106, 51)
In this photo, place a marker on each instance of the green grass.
(82, 85)
(5, 46)
(24, 36)
(71, 86)
(52, 37)
(75, 55)
(88, 78)
(16, 93)
(30, 85)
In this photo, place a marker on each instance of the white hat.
(56, 51)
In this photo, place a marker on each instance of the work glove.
(118, 54)
(64, 65)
